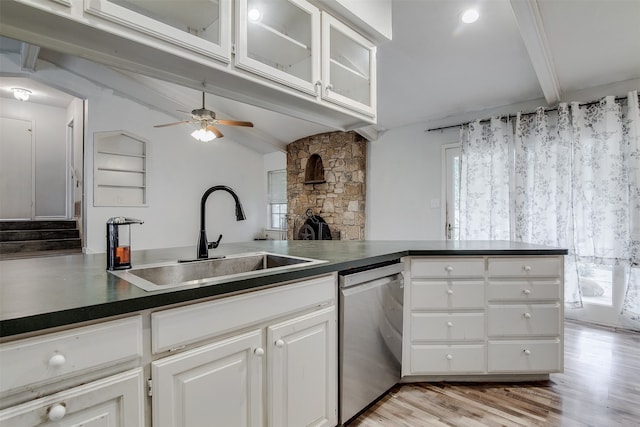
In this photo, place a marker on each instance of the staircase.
(22, 239)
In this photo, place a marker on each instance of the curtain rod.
(511, 116)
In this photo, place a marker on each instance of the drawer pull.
(527, 315)
(526, 292)
(279, 343)
(449, 357)
(57, 360)
(526, 268)
(259, 351)
(450, 291)
(449, 324)
(526, 352)
(449, 268)
(57, 412)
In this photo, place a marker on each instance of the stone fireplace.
(326, 174)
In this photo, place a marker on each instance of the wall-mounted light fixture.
(254, 15)
(203, 134)
(21, 94)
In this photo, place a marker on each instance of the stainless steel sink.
(209, 271)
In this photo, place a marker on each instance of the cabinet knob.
(279, 343)
(259, 351)
(450, 291)
(526, 352)
(57, 360)
(57, 412)
(449, 324)
(527, 315)
(449, 357)
(449, 268)
(526, 268)
(526, 292)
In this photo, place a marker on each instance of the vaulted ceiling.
(437, 71)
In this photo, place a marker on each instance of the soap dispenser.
(119, 242)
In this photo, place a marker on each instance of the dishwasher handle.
(348, 280)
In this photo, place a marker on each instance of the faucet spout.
(203, 244)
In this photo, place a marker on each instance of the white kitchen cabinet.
(484, 315)
(115, 401)
(282, 340)
(217, 384)
(202, 27)
(279, 40)
(301, 354)
(445, 312)
(348, 67)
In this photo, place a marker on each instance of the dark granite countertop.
(41, 293)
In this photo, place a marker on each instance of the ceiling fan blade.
(172, 124)
(215, 131)
(234, 123)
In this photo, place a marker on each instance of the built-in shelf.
(120, 172)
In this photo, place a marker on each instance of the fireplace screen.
(314, 228)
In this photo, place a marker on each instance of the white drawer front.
(450, 267)
(525, 356)
(524, 319)
(445, 359)
(427, 295)
(177, 327)
(447, 326)
(525, 290)
(59, 355)
(115, 400)
(525, 267)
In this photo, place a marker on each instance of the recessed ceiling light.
(469, 16)
(21, 94)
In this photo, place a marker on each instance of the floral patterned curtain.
(576, 184)
(484, 180)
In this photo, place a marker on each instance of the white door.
(16, 173)
(219, 384)
(451, 181)
(303, 376)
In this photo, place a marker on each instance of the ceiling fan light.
(203, 135)
(21, 94)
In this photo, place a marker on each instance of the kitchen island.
(82, 345)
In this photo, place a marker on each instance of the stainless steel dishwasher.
(370, 335)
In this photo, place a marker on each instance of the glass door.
(279, 40)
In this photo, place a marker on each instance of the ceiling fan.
(207, 121)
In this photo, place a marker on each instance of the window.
(277, 199)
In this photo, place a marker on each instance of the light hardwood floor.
(600, 387)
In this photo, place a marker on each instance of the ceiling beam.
(532, 31)
(29, 56)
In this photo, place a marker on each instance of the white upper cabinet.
(202, 26)
(279, 40)
(348, 67)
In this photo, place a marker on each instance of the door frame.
(446, 196)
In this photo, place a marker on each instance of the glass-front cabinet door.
(202, 26)
(279, 40)
(348, 67)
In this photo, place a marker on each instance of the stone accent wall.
(340, 200)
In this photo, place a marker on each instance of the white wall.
(49, 135)
(404, 173)
(179, 170)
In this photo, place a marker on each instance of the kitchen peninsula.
(491, 297)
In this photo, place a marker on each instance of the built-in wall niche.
(120, 169)
(314, 172)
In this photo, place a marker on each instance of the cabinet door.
(348, 67)
(279, 40)
(303, 370)
(219, 384)
(111, 402)
(203, 27)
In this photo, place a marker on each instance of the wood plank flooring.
(600, 387)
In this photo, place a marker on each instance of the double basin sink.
(210, 271)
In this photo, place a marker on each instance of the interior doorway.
(16, 169)
(451, 190)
